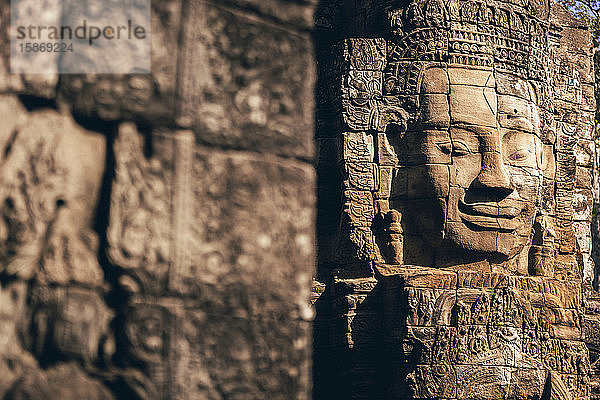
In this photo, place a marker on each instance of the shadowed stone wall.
(156, 231)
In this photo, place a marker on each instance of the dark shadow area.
(347, 330)
(32, 103)
(122, 385)
(326, 383)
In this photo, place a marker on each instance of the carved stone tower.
(458, 136)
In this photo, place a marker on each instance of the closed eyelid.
(520, 152)
(519, 147)
(445, 146)
(459, 146)
(468, 136)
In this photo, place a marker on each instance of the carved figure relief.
(52, 283)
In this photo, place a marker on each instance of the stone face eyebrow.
(516, 113)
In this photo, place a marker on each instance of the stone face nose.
(493, 175)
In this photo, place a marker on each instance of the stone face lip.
(490, 216)
(490, 209)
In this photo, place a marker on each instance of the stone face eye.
(460, 148)
(445, 147)
(520, 154)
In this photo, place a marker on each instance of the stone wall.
(156, 238)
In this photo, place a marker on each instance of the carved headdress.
(511, 37)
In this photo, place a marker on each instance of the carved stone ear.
(541, 253)
(391, 242)
(396, 114)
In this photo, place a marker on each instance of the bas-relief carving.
(148, 234)
(47, 206)
(157, 282)
(52, 284)
(472, 328)
(459, 158)
(148, 237)
(181, 250)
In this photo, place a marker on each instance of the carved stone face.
(481, 147)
